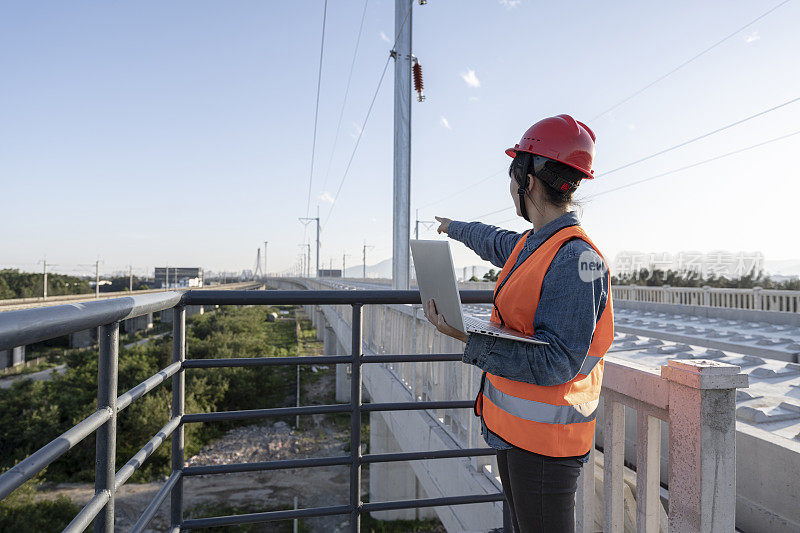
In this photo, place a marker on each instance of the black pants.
(540, 490)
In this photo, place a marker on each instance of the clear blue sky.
(180, 132)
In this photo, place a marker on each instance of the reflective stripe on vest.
(539, 411)
(558, 420)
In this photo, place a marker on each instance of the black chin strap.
(522, 180)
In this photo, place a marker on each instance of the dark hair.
(551, 166)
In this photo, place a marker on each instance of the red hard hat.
(561, 138)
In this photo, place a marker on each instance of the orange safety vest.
(558, 420)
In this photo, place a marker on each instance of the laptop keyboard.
(482, 325)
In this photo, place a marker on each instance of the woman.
(537, 402)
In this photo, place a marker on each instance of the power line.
(369, 111)
(462, 190)
(703, 136)
(316, 109)
(739, 151)
(696, 56)
(674, 147)
(346, 93)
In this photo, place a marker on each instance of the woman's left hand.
(438, 320)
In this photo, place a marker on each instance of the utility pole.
(166, 278)
(306, 221)
(364, 259)
(130, 278)
(426, 223)
(401, 212)
(97, 279)
(265, 258)
(44, 270)
(344, 257)
(306, 268)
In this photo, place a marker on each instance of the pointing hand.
(444, 224)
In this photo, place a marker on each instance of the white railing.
(695, 397)
(757, 299)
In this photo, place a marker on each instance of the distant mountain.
(782, 267)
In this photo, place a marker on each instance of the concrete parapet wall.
(419, 431)
(749, 315)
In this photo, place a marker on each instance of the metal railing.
(33, 325)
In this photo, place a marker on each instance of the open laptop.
(436, 280)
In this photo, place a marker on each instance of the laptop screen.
(436, 279)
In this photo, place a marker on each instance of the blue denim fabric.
(566, 316)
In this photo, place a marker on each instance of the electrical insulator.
(423, 2)
(417, 69)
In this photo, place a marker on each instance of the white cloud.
(751, 38)
(509, 4)
(470, 78)
(326, 197)
(473, 98)
(357, 131)
(386, 38)
(445, 123)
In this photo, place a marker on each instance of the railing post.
(178, 396)
(613, 457)
(355, 422)
(702, 444)
(757, 298)
(648, 472)
(106, 441)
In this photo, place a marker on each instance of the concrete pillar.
(702, 444)
(12, 357)
(395, 480)
(329, 342)
(144, 322)
(320, 323)
(342, 376)
(83, 339)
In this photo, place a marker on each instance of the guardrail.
(33, 325)
(757, 298)
(696, 398)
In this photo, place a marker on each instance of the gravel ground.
(252, 491)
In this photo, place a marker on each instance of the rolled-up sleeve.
(491, 243)
(566, 316)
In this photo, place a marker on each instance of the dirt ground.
(258, 491)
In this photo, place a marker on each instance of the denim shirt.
(565, 318)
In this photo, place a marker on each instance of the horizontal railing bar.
(266, 465)
(40, 459)
(431, 454)
(412, 406)
(88, 513)
(27, 326)
(158, 499)
(270, 516)
(146, 386)
(411, 358)
(322, 409)
(252, 518)
(431, 502)
(316, 360)
(332, 461)
(261, 413)
(266, 361)
(324, 297)
(147, 450)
